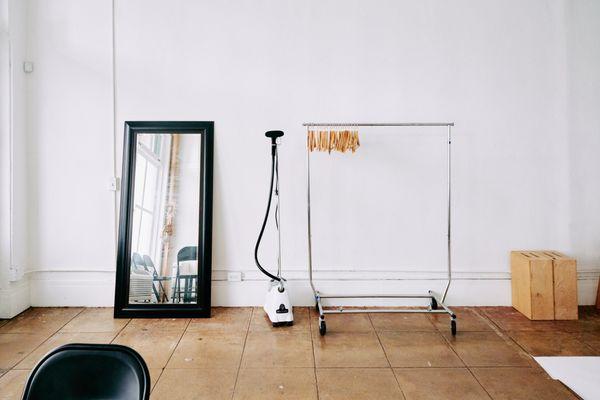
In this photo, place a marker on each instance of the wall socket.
(234, 276)
(27, 67)
(114, 184)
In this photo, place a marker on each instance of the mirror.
(164, 255)
(163, 261)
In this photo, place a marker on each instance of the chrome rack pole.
(316, 294)
(310, 266)
(449, 232)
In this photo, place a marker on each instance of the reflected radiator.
(140, 287)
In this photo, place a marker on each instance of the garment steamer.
(277, 302)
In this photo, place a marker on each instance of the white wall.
(512, 75)
(70, 152)
(5, 144)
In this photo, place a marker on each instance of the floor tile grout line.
(430, 319)
(312, 345)
(237, 374)
(120, 330)
(48, 337)
(171, 355)
(484, 317)
(480, 384)
(116, 333)
(492, 366)
(444, 339)
(386, 356)
(532, 356)
(507, 333)
(494, 325)
(503, 333)
(453, 349)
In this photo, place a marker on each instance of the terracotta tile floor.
(237, 355)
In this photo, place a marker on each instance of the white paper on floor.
(580, 374)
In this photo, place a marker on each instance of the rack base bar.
(379, 296)
(381, 310)
(436, 307)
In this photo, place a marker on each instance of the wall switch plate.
(28, 67)
(115, 184)
(234, 276)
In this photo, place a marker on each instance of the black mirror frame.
(201, 309)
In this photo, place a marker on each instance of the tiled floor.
(237, 355)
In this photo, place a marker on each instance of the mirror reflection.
(165, 223)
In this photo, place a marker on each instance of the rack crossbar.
(433, 124)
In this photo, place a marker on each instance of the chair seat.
(89, 371)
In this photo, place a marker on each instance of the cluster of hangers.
(329, 140)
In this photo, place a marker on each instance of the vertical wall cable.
(11, 147)
(114, 136)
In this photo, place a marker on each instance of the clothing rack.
(436, 304)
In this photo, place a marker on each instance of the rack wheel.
(322, 328)
(453, 327)
(433, 304)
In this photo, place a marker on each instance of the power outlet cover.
(234, 276)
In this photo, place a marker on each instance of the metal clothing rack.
(436, 305)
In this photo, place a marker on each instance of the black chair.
(188, 253)
(89, 371)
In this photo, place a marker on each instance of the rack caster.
(453, 327)
(322, 327)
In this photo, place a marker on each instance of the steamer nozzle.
(273, 135)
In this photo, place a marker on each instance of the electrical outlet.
(115, 184)
(234, 276)
(28, 67)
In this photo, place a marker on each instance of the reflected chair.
(137, 262)
(188, 253)
(157, 278)
(89, 371)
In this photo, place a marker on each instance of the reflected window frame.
(123, 308)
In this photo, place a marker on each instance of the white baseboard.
(462, 292)
(96, 289)
(14, 299)
(72, 289)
